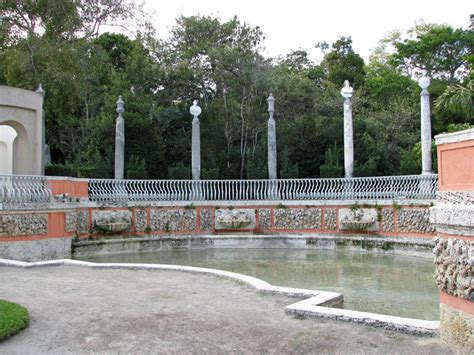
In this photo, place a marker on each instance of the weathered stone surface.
(23, 224)
(388, 220)
(235, 219)
(414, 220)
(206, 219)
(453, 219)
(346, 92)
(77, 221)
(330, 218)
(195, 110)
(297, 218)
(36, 250)
(120, 141)
(358, 219)
(453, 272)
(173, 220)
(264, 218)
(456, 329)
(140, 220)
(463, 198)
(112, 220)
(426, 164)
(271, 140)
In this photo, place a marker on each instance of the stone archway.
(22, 110)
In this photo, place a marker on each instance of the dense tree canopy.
(63, 45)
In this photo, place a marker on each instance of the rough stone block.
(453, 266)
(23, 224)
(173, 220)
(388, 220)
(264, 218)
(141, 220)
(414, 220)
(465, 198)
(36, 250)
(206, 219)
(297, 218)
(457, 329)
(330, 218)
(77, 221)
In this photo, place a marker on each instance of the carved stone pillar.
(120, 141)
(195, 110)
(272, 148)
(426, 163)
(346, 92)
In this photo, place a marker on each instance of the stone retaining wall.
(84, 220)
(453, 218)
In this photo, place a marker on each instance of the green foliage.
(331, 167)
(342, 63)
(410, 163)
(288, 170)
(57, 43)
(179, 172)
(57, 170)
(13, 318)
(136, 168)
(457, 100)
(442, 51)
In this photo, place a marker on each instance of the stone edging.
(318, 305)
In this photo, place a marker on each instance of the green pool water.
(388, 284)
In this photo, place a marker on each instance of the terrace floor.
(77, 310)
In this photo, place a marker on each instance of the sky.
(290, 25)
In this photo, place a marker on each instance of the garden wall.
(47, 231)
(453, 218)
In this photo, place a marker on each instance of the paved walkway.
(79, 310)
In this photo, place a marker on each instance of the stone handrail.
(409, 187)
(41, 189)
(24, 189)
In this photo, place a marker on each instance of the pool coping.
(319, 304)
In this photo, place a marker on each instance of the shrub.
(13, 318)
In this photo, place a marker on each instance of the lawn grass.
(13, 318)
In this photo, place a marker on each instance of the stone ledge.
(310, 308)
(412, 246)
(454, 137)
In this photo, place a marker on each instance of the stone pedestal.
(453, 218)
(346, 92)
(120, 141)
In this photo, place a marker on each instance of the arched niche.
(22, 110)
(8, 136)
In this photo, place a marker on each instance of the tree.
(440, 50)
(342, 63)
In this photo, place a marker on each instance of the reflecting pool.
(388, 284)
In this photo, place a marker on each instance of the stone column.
(40, 91)
(346, 92)
(272, 149)
(195, 110)
(120, 141)
(426, 164)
